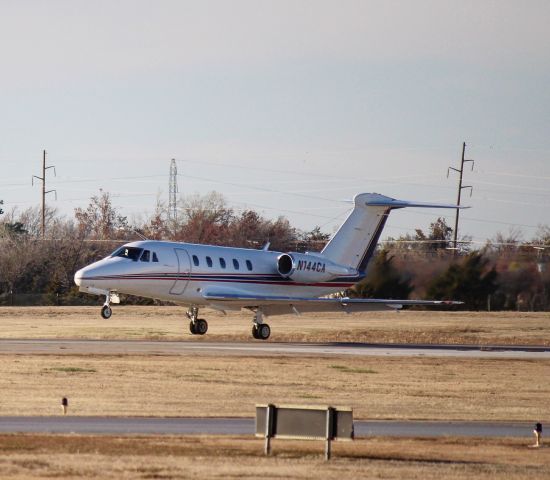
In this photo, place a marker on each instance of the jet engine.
(307, 268)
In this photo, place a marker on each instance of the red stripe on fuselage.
(223, 280)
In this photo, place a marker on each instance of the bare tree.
(100, 220)
(157, 226)
(205, 219)
(18, 250)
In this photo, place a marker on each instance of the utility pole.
(44, 191)
(173, 190)
(460, 188)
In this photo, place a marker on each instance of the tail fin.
(354, 243)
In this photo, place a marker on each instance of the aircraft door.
(184, 268)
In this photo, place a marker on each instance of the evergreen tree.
(383, 281)
(469, 280)
(439, 237)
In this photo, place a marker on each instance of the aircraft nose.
(78, 277)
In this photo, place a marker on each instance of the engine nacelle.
(306, 268)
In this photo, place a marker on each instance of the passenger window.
(249, 265)
(195, 260)
(236, 263)
(145, 256)
(155, 258)
(222, 262)
(209, 261)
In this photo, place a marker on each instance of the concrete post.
(329, 432)
(268, 429)
(538, 435)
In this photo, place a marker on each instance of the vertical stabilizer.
(354, 243)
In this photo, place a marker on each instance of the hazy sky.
(287, 107)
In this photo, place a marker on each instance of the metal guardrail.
(309, 422)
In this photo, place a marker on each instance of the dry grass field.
(170, 323)
(153, 457)
(189, 385)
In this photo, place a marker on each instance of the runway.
(245, 426)
(144, 347)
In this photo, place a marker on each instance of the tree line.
(506, 273)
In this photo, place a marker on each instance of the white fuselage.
(181, 272)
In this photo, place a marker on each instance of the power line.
(516, 175)
(309, 174)
(483, 220)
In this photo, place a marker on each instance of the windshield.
(132, 253)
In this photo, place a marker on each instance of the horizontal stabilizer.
(383, 201)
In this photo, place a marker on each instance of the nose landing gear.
(106, 311)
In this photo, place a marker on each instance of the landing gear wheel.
(255, 331)
(201, 326)
(106, 312)
(198, 327)
(264, 331)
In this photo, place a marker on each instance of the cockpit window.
(155, 258)
(145, 256)
(132, 253)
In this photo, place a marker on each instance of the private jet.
(265, 282)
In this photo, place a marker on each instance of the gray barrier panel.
(304, 422)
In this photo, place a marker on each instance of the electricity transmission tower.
(460, 188)
(44, 191)
(173, 190)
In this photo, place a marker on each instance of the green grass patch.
(344, 368)
(71, 370)
(308, 396)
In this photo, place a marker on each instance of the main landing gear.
(260, 330)
(197, 326)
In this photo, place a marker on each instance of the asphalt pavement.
(258, 348)
(246, 426)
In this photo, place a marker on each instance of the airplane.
(266, 282)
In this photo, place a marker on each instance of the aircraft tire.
(106, 312)
(192, 327)
(264, 331)
(255, 331)
(201, 326)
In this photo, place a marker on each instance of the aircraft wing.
(281, 305)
